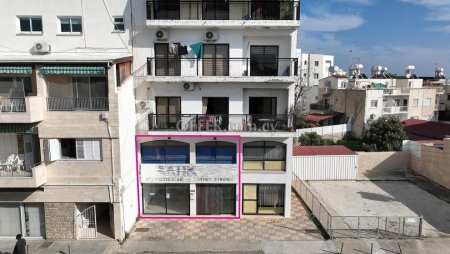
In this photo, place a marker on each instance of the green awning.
(17, 127)
(74, 70)
(16, 70)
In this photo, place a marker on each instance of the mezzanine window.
(216, 152)
(165, 152)
(265, 155)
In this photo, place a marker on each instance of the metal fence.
(12, 105)
(386, 227)
(77, 104)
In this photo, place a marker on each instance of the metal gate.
(87, 223)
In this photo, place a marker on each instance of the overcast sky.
(392, 33)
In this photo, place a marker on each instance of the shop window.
(165, 152)
(265, 155)
(216, 152)
(25, 218)
(267, 199)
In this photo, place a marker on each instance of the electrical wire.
(112, 22)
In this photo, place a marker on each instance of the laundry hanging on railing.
(197, 48)
(182, 50)
(173, 49)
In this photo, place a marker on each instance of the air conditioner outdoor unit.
(162, 35)
(188, 86)
(144, 104)
(211, 36)
(41, 47)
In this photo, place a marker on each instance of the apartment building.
(361, 98)
(312, 68)
(66, 120)
(214, 83)
(442, 85)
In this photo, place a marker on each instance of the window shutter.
(96, 150)
(52, 150)
(80, 149)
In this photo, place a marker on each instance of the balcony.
(77, 104)
(21, 110)
(395, 110)
(396, 91)
(217, 123)
(222, 69)
(14, 173)
(218, 13)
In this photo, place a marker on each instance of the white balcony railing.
(395, 110)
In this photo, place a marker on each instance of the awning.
(17, 127)
(16, 70)
(74, 70)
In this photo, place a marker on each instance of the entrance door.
(166, 199)
(168, 112)
(87, 223)
(28, 148)
(216, 199)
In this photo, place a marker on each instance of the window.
(306, 62)
(168, 112)
(415, 102)
(165, 152)
(119, 24)
(166, 63)
(30, 25)
(215, 10)
(216, 152)
(216, 199)
(265, 155)
(22, 218)
(263, 199)
(373, 103)
(328, 63)
(264, 61)
(448, 97)
(316, 75)
(427, 102)
(316, 63)
(80, 149)
(216, 59)
(71, 25)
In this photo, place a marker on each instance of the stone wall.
(60, 221)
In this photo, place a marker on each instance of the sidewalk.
(62, 247)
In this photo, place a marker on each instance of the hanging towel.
(182, 50)
(197, 48)
(173, 49)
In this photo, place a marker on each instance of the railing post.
(247, 66)
(357, 231)
(399, 222)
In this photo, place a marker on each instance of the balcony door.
(216, 110)
(263, 106)
(265, 10)
(215, 10)
(164, 9)
(216, 199)
(168, 112)
(264, 60)
(216, 59)
(166, 64)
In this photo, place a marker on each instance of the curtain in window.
(34, 220)
(271, 196)
(88, 149)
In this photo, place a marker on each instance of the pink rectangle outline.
(140, 216)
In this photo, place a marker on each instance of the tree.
(314, 139)
(383, 134)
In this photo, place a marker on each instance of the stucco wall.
(383, 161)
(433, 163)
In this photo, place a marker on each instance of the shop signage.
(198, 173)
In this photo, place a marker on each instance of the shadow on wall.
(383, 161)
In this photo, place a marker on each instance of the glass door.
(168, 112)
(177, 198)
(216, 199)
(264, 61)
(166, 199)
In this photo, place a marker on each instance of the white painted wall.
(326, 168)
(97, 27)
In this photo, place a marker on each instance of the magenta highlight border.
(168, 217)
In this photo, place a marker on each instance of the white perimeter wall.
(326, 168)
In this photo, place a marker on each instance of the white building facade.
(67, 120)
(213, 88)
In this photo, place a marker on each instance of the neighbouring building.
(312, 68)
(361, 98)
(214, 83)
(66, 120)
(442, 85)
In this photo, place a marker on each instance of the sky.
(391, 33)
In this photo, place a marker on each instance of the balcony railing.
(228, 67)
(12, 104)
(215, 122)
(77, 104)
(396, 91)
(223, 10)
(395, 110)
(319, 107)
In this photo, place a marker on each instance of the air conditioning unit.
(41, 47)
(162, 35)
(144, 104)
(188, 86)
(211, 36)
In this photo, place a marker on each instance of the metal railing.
(386, 227)
(77, 104)
(395, 110)
(13, 165)
(216, 122)
(223, 10)
(316, 106)
(396, 91)
(228, 67)
(12, 105)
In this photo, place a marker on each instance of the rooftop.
(321, 150)
(316, 117)
(420, 130)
